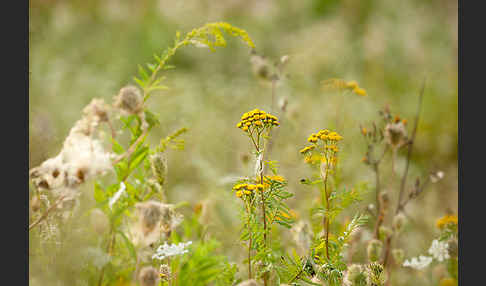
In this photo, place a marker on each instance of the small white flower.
(439, 250)
(117, 195)
(418, 263)
(167, 250)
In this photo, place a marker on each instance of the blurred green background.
(81, 49)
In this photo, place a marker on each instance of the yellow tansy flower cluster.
(326, 136)
(246, 189)
(329, 149)
(258, 119)
(342, 85)
(446, 220)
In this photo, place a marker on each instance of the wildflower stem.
(46, 213)
(410, 148)
(380, 214)
(326, 217)
(131, 149)
(248, 211)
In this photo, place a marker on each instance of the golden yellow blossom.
(360, 91)
(257, 119)
(445, 220)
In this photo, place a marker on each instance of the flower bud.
(158, 163)
(398, 255)
(398, 222)
(374, 249)
(99, 221)
(384, 232)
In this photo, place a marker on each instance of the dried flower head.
(129, 100)
(82, 157)
(148, 276)
(165, 272)
(154, 219)
(396, 134)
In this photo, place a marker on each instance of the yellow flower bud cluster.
(446, 220)
(326, 136)
(246, 189)
(342, 85)
(329, 147)
(258, 119)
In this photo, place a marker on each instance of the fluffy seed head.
(129, 99)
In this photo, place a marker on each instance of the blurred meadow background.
(82, 49)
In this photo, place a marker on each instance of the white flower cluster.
(439, 250)
(167, 250)
(418, 263)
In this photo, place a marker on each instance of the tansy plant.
(132, 215)
(322, 156)
(263, 196)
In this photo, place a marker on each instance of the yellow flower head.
(360, 91)
(352, 84)
(307, 149)
(257, 119)
(446, 220)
